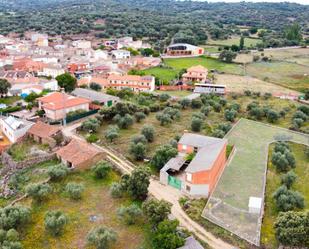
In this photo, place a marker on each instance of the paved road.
(159, 191)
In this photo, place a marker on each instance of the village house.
(56, 105)
(45, 134)
(18, 77)
(134, 82)
(195, 74)
(83, 44)
(77, 67)
(51, 70)
(27, 64)
(183, 49)
(79, 154)
(120, 54)
(198, 165)
(94, 96)
(14, 128)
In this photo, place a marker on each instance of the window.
(189, 177)
(184, 147)
(188, 188)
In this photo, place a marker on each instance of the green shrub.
(38, 191)
(101, 237)
(74, 190)
(55, 221)
(101, 169)
(129, 215)
(57, 172)
(92, 138)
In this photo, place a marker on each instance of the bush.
(9, 239)
(287, 200)
(272, 116)
(185, 103)
(91, 125)
(74, 190)
(292, 228)
(288, 179)
(164, 119)
(139, 139)
(164, 97)
(101, 169)
(139, 116)
(196, 103)
(149, 132)
(166, 236)
(196, 124)
(92, 138)
(218, 133)
(57, 172)
(230, 115)
(156, 211)
(129, 215)
(123, 122)
(206, 110)
(138, 150)
(217, 107)
(112, 133)
(38, 191)
(162, 155)
(116, 190)
(101, 237)
(13, 217)
(54, 222)
(138, 183)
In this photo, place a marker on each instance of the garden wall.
(10, 165)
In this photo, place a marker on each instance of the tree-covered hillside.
(159, 20)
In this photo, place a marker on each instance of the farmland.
(248, 42)
(273, 182)
(172, 67)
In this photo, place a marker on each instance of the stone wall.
(10, 165)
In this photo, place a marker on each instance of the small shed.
(255, 205)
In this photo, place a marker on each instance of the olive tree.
(101, 237)
(38, 191)
(74, 190)
(54, 222)
(101, 169)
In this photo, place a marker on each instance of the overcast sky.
(277, 1)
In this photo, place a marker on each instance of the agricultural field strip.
(233, 191)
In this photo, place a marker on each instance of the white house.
(52, 70)
(81, 44)
(100, 54)
(120, 54)
(14, 128)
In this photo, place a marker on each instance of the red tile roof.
(78, 151)
(43, 130)
(57, 100)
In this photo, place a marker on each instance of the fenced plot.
(245, 177)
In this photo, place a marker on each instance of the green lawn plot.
(273, 182)
(244, 177)
(9, 100)
(96, 208)
(249, 42)
(174, 65)
(178, 94)
(286, 74)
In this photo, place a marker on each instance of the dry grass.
(236, 83)
(96, 200)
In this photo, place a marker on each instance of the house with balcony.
(197, 167)
(184, 49)
(195, 74)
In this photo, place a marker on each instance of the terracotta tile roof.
(78, 151)
(57, 100)
(43, 130)
(131, 78)
(198, 68)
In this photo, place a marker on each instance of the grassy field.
(174, 65)
(248, 165)
(237, 83)
(273, 182)
(178, 94)
(21, 151)
(9, 100)
(290, 75)
(249, 42)
(96, 202)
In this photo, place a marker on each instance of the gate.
(174, 182)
